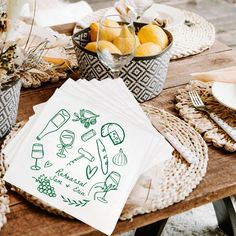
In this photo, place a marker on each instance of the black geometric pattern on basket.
(144, 78)
(9, 100)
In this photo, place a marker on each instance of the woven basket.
(144, 76)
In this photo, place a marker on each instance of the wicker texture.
(195, 36)
(161, 186)
(178, 178)
(211, 132)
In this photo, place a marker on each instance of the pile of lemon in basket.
(150, 39)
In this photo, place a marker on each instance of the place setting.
(208, 104)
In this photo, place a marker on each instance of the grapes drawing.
(45, 186)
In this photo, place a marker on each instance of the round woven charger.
(163, 185)
(193, 37)
(211, 132)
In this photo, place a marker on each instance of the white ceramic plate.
(225, 93)
(174, 16)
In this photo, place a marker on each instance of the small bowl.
(144, 76)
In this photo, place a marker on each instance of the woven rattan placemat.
(193, 37)
(161, 186)
(211, 132)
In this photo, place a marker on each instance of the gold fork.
(199, 105)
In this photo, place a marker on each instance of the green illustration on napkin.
(120, 158)
(102, 156)
(90, 172)
(114, 131)
(67, 138)
(71, 202)
(55, 123)
(86, 118)
(88, 135)
(45, 186)
(85, 154)
(37, 152)
(47, 164)
(111, 183)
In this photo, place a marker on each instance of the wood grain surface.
(219, 182)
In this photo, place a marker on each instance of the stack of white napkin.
(83, 151)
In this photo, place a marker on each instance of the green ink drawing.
(71, 202)
(114, 131)
(120, 158)
(67, 138)
(86, 154)
(111, 183)
(47, 164)
(55, 123)
(45, 186)
(90, 172)
(86, 118)
(37, 153)
(88, 135)
(103, 156)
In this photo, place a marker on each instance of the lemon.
(137, 41)
(147, 49)
(103, 44)
(92, 46)
(109, 30)
(93, 31)
(125, 41)
(153, 33)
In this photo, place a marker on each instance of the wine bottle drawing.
(37, 153)
(55, 123)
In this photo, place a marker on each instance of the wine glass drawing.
(122, 35)
(111, 183)
(37, 153)
(67, 138)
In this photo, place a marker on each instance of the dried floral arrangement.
(11, 56)
(20, 57)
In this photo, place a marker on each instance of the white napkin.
(68, 168)
(50, 13)
(226, 75)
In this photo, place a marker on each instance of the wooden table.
(219, 182)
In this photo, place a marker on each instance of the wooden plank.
(217, 57)
(179, 71)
